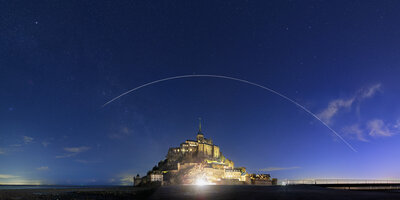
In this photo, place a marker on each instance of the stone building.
(200, 146)
(155, 178)
(235, 174)
(197, 161)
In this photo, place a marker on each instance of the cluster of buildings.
(199, 162)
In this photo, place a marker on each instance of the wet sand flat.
(199, 192)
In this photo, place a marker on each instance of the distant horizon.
(319, 181)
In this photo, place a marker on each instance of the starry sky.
(60, 61)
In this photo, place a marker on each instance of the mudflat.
(198, 192)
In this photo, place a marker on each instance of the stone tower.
(200, 136)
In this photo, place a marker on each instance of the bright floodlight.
(201, 182)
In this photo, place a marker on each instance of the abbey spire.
(199, 124)
(200, 135)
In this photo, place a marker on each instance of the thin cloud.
(66, 155)
(373, 129)
(397, 125)
(43, 168)
(11, 148)
(124, 132)
(270, 169)
(355, 132)
(377, 128)
(73, 151)
(335, 106)
(28, 139)
(86, 161)
(370, 91)
(17, 180)
(76, 149)
(45, 144)
(7, 176)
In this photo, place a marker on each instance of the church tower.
(200, 136)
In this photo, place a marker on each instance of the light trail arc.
(239, 80)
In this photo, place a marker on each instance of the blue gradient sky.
(60, 61)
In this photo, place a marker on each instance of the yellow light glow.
(201, 182)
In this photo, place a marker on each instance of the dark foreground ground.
(199, 192)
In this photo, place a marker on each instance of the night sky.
(60, 61)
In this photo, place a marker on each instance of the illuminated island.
(199, 162)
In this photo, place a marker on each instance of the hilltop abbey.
(199, 162)
(201, 146)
